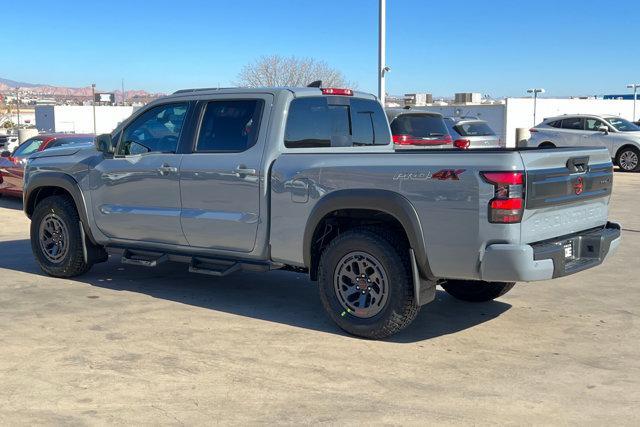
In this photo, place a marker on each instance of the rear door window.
(335, 122)
(573, 123)
(230, 125)
(419, 125)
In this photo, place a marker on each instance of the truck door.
(220, 179)
(136, 194)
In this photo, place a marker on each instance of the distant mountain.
(14, 84)
(7, 85)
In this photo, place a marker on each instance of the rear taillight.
(507, 205)
(336, 91)
(533, 130)
(462, 143)
(412, 140)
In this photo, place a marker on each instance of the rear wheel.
(55, 238)
(628, 159)
(365, 283)
(475, 290)
(547, 144)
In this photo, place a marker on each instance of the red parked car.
(12, 164)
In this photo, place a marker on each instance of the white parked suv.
(620, 136)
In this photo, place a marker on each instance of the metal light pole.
(93, 95)
(635, 87)
(18, 105)
(382, 36)
(535, 93)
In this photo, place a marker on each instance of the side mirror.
(105, 144)
(5, 153)
(604, 129)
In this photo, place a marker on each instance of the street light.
(635, 87)
(535, 93)
(93, 94)
(18, 105)
(382, 36)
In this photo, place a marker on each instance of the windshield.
(623, 125)
(30, 146)
(418, 125)
(474, 129)
(70, 140)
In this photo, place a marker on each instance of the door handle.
(167, 169)
(242, 170)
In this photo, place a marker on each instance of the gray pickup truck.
(306, 179)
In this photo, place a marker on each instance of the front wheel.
(628, 159)
(365, 283)
(475, 290)
(56, 241)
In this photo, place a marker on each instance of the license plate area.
(569, 250)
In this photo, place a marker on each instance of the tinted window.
(572, 123)
(418, 125)
(230, 125)
(69, 140)
(593, 124)
(369, 124)
(474, 129)
(316, 122)
(156, 130)
(556, 124)
(30, 146)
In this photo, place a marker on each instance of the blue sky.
(494, 47)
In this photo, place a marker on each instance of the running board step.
(217, 268)
(144, 259)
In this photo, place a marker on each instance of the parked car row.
(12, 163)
(415, 129)
(8, 142)
(621, 137)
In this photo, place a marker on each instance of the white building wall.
(79, 119)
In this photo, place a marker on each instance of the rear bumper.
(551, 258)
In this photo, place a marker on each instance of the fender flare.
(385, 201)
(60, 180)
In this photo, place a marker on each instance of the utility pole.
(535, 93)
(93, 95)
(18, 105)
(123, 98)
(382, 45)
(635, 87)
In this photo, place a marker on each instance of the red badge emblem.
(578, 186)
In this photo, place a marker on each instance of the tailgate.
(567, 190)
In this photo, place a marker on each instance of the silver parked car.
(471, 132)
(620, 136)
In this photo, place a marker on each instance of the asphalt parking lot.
(126, 344)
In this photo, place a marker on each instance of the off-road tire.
(476, 290)
(632, 150)
(400, 308)
(73, 263)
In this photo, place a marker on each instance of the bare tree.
(275, 70)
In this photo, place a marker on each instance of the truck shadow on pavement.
(9, 202)
(277, 296)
